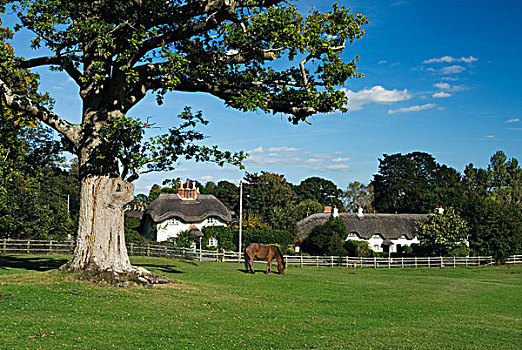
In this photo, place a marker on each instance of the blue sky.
(441, 77)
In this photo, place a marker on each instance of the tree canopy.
(117, 51)
(413, 183)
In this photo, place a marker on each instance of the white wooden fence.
(10, 246)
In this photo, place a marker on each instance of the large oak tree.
(117, 51)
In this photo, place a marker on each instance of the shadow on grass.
(30, 263)
(257, 271)
(162, 268)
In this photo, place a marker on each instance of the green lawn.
(217, 305)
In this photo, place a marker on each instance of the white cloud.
(469, 59)
(449, 78)
(455, 69)
(340, 160)
(314, 160)
(417, 108)
(376, 94)
(206, 178)
(283, 149)
(441, 94)
(382, 62)
(322, 156)
(442, 86)
(449, 87)
(490, 136)
(256, 150)
(338, 167)
(449, 59)
(512, 120)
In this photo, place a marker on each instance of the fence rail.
(10, 246)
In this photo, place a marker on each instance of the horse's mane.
(281, 255)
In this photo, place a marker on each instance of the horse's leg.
(247, 257)
(269, 266)
(250, 264)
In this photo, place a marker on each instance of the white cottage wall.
(171, 228)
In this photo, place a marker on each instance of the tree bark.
(100, 243)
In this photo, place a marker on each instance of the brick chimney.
(187, 192)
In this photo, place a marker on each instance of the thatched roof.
(168, 206)
(389, 226)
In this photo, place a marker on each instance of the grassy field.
(217, 305)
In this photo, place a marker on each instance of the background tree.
(358, 194)
(492, 206)
(117, 51)
(34, 190)
(306, 208)
(444, 234)
(320, 190)
(226, 191)
(327, 239)
(282, 238)
(271, 197)
(414, 183)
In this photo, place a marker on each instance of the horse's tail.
(281, 256)
(247, 259)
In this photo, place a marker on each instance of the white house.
(185, 211)
(383, 232)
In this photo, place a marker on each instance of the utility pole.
(240, 218)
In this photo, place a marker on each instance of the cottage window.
(376, 236)
(213, 242)
(174, 222)
(212, 221)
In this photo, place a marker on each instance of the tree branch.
(217, 11)
(226, 92)
(74, 73)
(25, 104)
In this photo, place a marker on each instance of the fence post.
(374, 262)
(301, 260)
(361, 262)
(331, 261)
(441, 263)
(347, 262)
(5, 245)
(389, 262)
(50, 246)
(429, 264)
(478, 263)
(415, 262)
(466, 261)
(148, 249)
(28, 246)
(402, 262)
(316, 260)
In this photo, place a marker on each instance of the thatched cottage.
(188, 210)
(383, 232)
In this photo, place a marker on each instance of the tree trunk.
(100, 244)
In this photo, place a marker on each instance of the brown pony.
(267, 252)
